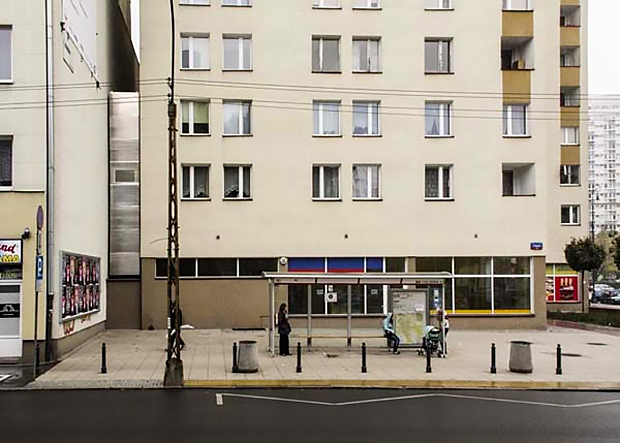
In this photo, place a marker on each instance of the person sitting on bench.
(390, 334)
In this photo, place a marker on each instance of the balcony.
(518, 23)
(570, 76)
(516, 86)
(570, 36)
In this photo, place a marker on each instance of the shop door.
(10, 320)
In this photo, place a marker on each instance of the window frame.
(12, 152)
(320, 4)
(319, 113)
(444, 107)
(369, 182)
(368, 41)
(569, 175)
(566, 135)
(191, 38)
(240, 181)
(450, 7)
(185, 3)
(574, 215)
(240, 125)
(321, 39)
(368, 5)
(238, 4)
(191, 123)
(507, 6)
(438, 40)
(321, 192)
(507, 114)
(10, 79)
(192, 182)
(240, 58)
(369, 117)
(440, 180)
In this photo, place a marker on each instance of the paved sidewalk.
(136, 359)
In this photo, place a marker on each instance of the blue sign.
(536, 246)
(39, 267)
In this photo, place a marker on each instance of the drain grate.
(594, 343)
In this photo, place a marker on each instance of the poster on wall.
(80, 291)
(550, 289)
(566, 289)
(10, 252)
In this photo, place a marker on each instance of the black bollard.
(558, 369)
(298, 370)
(104, 367)
(428, 358)
(364, 367)
(493, 366)
(235, 367)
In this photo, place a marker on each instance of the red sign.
(565, 289)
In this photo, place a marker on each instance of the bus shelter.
(397, 300)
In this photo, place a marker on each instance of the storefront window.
(472, 265)
(473, 294)
(433, 264)
(512, 294)
(511, 265)
(374, 299)
(395, 264)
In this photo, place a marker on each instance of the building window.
(366, 57)
(438, 119)
(326, 182)
(438, 4)
(438, 182)
(569, 96)
(6, 57)
(237, 53)
(517, 53)
(6, 163)
(570, 214)
(365, 118)
(366, 4)
(194, 118)
(570, 135)
(437, 56)
(569, 56)
(194, 52)
(196, 2)
(237, 178)
(236, 2)
(517, 5)
(515, 120)
(195, 182)
(326, 54)
(569, 175)
(518, 179)
(237, 117)
(570, 15)
(326, 118)
(366, 181)
(335, 4)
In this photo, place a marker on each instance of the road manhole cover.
(597, 344)
(570, 354)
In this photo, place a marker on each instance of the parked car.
(606, 294)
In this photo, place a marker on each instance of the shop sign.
(10, 252)
(9, 310)
(10, 273)
(562, 289)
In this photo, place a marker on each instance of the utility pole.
(173, 375)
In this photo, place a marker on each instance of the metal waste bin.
(521, 357)
(248, 356)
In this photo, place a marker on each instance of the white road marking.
(4, 377)
(219, 400)
(420, 396)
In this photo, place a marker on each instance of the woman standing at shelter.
(284, 329)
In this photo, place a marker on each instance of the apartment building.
(365, 136)
(57, 67)
(604, 132)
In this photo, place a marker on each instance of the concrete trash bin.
(521, 357)
(248, 357)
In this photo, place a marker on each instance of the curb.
(404, 384)
(584, 326)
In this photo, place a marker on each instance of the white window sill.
(318, 199)
(518, 10)
(569, 144)
(570, 185)
(327, 7)
(237, 135)
(366, 8)
(194, 199)
(571, 224)
(438, 199)
(6, 82)
(6, 188)
(195, 69)
(193, 4)
(236, 6)
(196, 135)
(516, 136)
(238, 70)
(356, 199)
(518, 195)
(439, 72)
(327, 72)
(439, 9)
(367, 135)
(439, 136)
(233, 199)
(366, 72)
(327, 135)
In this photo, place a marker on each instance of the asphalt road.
(329, 415)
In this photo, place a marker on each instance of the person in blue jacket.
(390, 334)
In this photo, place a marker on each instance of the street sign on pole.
(40, 218)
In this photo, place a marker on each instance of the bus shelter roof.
(395, 278)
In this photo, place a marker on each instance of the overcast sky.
(604, 35)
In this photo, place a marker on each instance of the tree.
(607, 240)
(584, 255)
(616, 248)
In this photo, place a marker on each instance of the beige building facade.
(364, 136)
(54, 155)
